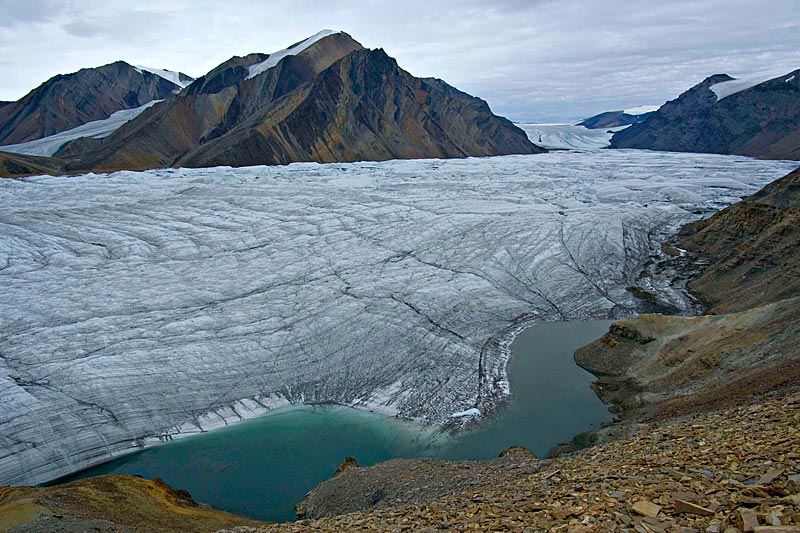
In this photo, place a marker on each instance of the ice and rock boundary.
(141, 306)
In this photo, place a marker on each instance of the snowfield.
(143, 306)
(568, 136)
(274, 58)
(725, 89)
(169, 75)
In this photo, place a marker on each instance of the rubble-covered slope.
(735, 468)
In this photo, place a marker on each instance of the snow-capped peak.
(169, 75)
(727, 88)
(274, 58)
(641, 110)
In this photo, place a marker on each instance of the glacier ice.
(139, 306)
(568, 136)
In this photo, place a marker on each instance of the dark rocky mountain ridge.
(760, 121)
(70, 100)
(326, 99)
(612, 119)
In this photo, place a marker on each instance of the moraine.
(142, 306)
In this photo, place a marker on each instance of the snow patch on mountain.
(641, 110)
(97, 129)
(275, 58)
(727, 88)
(169, 75)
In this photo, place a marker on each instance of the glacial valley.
(141, 306)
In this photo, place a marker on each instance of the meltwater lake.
(263, 467)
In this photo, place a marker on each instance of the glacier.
(142, 306)
(568, 136)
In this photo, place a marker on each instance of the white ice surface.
(169, 75)
(274, 58)
(141, 306)
(641, 110)
(96, 129)
(727, 88)
(567, 136)
(469, 413)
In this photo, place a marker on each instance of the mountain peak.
(178, 78)
(275, 57)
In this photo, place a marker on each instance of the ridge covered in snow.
(97, 129)
(169, 75)
(727, 88)
(275, 58)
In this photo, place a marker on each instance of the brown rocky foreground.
(113, 503)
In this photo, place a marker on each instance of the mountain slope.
(364, 107)
(19, 165)
(613, 119)
(67, 101)
(662, 366)
(725, 116)
(325, 99)
(210, 107)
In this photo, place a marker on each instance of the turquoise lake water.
(263, 467)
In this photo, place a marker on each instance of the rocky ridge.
(759, 121)
(113, 503)
(325, 99)
(70, 100)
(612, 119)
(655, 365)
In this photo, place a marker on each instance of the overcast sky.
(532, 60)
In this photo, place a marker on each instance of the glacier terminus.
(140, 306)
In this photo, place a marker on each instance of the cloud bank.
(535, 60)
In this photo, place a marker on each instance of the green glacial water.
(263, 467)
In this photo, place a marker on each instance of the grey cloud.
(531, 59)
(24, 12)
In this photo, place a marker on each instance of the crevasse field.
(141, 306)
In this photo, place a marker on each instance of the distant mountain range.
(758, 117)
(615, 119)
(324, 99)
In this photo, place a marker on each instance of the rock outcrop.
(762, 120)
(70, 100)
(114, 503)
(20, 166)
(333, 101)
(747, 346)
(410, 481)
